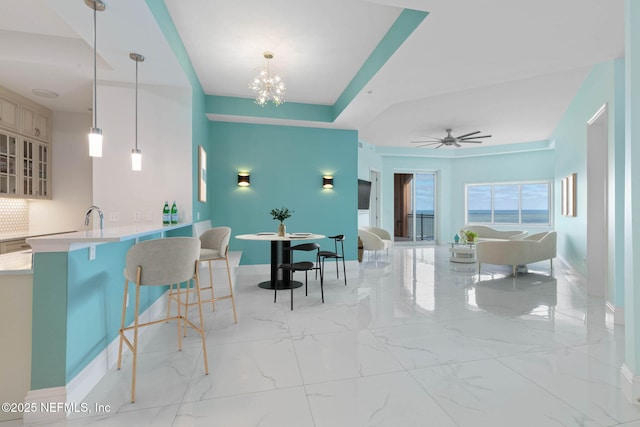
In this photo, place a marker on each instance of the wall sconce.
(327, 181)
(244, 179)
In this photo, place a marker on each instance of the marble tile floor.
(413, 340)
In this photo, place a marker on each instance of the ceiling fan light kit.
(450, 140)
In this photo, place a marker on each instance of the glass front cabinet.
(36, 182)
(25, 147)
(8, 164)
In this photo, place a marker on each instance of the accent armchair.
(375, 239)
(537, 247)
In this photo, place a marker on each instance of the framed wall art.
(569, 195)
(202, 174)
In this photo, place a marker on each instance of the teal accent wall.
(401, 29)
(632, 191)
(570, 137)
(368, 160)
(49, 339)
(77, 307)
(452, 173)
(94, 303)
(200, 122)
(525, 166)
(286, 166)
(616, 177)
(233, 106)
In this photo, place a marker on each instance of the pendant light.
(95, 136)
(136, 153)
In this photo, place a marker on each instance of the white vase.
(282, 229)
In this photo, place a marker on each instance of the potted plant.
(469, 236)
(281, 215)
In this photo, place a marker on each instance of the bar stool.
(214, 247)
(160, 262)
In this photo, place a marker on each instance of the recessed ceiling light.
(45, 93)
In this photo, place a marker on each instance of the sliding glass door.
(414, 207)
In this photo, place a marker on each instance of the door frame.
(436, 177)
(597, 203)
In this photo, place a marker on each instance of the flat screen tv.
(364, 194)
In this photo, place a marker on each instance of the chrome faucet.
(87, 216)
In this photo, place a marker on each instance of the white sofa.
(488, 233)
(375, 239)
(534, 248)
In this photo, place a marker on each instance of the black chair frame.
(305, 266)
(322, 255)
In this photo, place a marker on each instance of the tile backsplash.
(14, 215)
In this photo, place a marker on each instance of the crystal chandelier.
(268, 86)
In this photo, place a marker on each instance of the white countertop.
(82, 239)
(15, 263)
(19, 235)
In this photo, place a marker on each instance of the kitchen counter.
(77, 305)
(18, 235)
(16, 263)
(82, 239)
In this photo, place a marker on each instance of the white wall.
(71, 177)
(164, 136)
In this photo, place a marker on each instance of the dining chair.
(160, 262)
(337, 255)
(215, 247)
(305, 266)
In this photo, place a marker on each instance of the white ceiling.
(505, 67)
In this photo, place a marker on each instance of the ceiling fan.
(450, 140)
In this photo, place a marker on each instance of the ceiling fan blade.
(475, 137)
(432, 137)
(457, 145)
(426, 145)
(472, 142)
(436, 140)
(467, 134)
(440, 145)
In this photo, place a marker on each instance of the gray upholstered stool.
(215, 247)
(155, 263)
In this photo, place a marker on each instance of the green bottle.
(166, 214)
(174, 213)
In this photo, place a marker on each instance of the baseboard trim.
(630, 385)
(43, 404)
(66, 400)
(616, 312)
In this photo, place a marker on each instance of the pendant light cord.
(137, 105)
(95, 81)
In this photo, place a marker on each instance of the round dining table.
(280, 255)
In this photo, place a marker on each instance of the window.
(509, 203)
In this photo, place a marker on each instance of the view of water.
(510, 216)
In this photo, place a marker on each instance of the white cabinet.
(8, 164)
(36, 179)
(35, 123)
(25, 147)
(8, 113)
